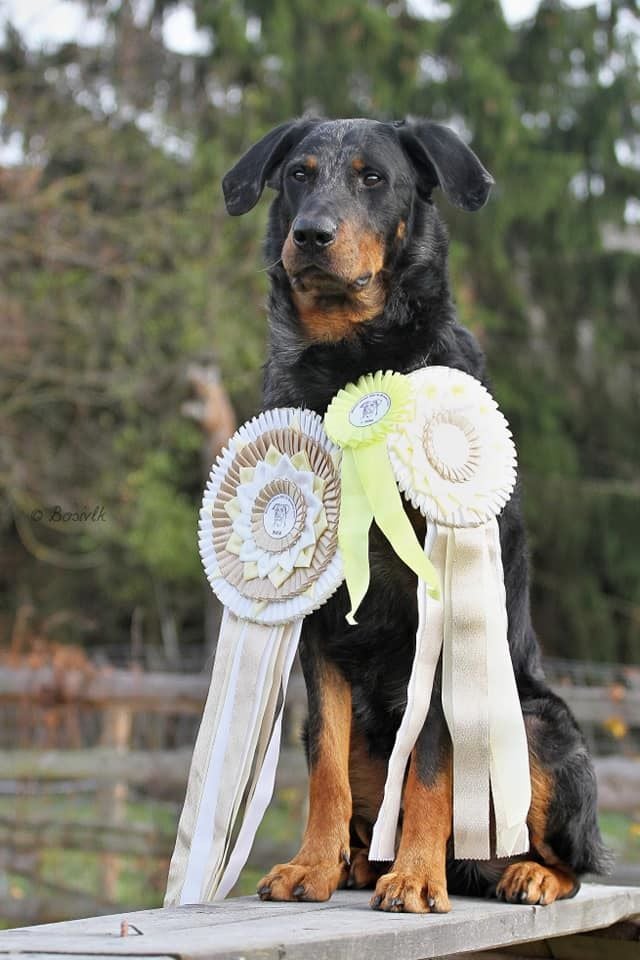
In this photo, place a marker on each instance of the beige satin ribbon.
(465, 690)
(510, 772)
(429, 637)
(479, 697)
(234, 758)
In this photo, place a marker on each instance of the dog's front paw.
(529, 882)
(299, 881)
(405, 892)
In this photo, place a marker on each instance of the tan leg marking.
(527, 881)
(323, 859)
(367, 776)
(417, 882)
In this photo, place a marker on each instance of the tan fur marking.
(367, 776)
(311, 162)
(332, 316)
(356, 251)
(541, 793)
(402, 229)
(358, 164)
(322, 861)
(540, 798)
(417, 882)
(329, 789)
(329, 322)
(527, 881)
(363, 874)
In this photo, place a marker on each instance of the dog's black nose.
(319, 232)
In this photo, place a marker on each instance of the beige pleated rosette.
(268, 541)
(454, 459)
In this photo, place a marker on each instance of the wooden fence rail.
(185, 693)
(618, 777)
(138, 768)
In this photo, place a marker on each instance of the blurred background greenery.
(120, 267)
(120, 273)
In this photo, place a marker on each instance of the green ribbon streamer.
(369, 492)
(354, 521)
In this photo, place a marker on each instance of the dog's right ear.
(243, 184)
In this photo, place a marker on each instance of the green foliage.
(160, 531)
(120, 267)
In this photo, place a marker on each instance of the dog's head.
(347, 191)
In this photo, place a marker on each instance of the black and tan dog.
(358, 284)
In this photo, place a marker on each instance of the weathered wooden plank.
(342, 929)
(21, 955)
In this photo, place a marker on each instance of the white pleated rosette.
(268, 541)
(456, 462)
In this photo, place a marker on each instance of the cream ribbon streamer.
(465, 690)
(248, 680)
(429, 639)
(262, 788)
(268, 541)
(456, 463)
(510, 772)
(479, 698)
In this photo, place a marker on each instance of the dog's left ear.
(443, 160)
(243, 184)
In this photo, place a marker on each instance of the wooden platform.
(344, 928)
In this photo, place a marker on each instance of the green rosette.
(358, 420)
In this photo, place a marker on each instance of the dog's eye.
(371, 179)
(299, 174)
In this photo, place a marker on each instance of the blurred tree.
(120, 268)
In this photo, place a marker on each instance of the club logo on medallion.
(279, 516)
(369, 409)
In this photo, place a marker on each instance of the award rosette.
(359, 420)
(268, 541)
(454, 459)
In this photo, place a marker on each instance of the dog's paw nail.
(431, 901)
(397, 902)
(264, 891)
(542, 900)
(298, 891)
(523, 896)
(376, 901)
(346, 858)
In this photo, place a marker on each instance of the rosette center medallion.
(278, 516)
(452, 445)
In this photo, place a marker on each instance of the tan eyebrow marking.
(358, 164)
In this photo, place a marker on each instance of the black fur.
(417, 327)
